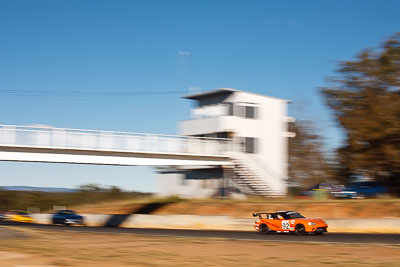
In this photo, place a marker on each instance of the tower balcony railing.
(65, 138)
(210, 111)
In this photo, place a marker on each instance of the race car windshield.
(67, 212)
(295, 215)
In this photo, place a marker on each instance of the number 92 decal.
(285, 225)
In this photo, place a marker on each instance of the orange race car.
(288, 222)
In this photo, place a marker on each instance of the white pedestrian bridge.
(63, 145)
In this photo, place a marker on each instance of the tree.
(365, 100)
(308, 164)
(90, 188)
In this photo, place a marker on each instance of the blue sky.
(285, 49)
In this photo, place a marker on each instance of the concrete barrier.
(212, 222)
(367, 225)
(42, 218)
(181, 222)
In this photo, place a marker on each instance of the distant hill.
(42, 189)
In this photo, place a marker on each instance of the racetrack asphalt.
(359, 238)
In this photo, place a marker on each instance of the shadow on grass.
(117, 219)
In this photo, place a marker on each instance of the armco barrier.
(212, 222)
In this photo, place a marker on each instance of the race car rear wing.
(260, 213)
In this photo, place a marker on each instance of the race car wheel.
(264, 229)
(300, 229)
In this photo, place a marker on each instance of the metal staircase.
(251, 178)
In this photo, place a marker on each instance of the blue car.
(67, 217)
(362, 190)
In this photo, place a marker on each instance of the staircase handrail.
(259, 168)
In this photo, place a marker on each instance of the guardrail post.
(9, 134)
(58, 138)
(43, 138)
(155, 143)
(189, 145)
(106, 141)
(144, 143)
(1, 134)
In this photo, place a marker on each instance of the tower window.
(249, 144)
(250, 112)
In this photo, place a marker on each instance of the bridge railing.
(65, 138)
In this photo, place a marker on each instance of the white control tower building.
(258, 126)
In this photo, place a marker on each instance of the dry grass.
(355, 208)
(89, 249)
